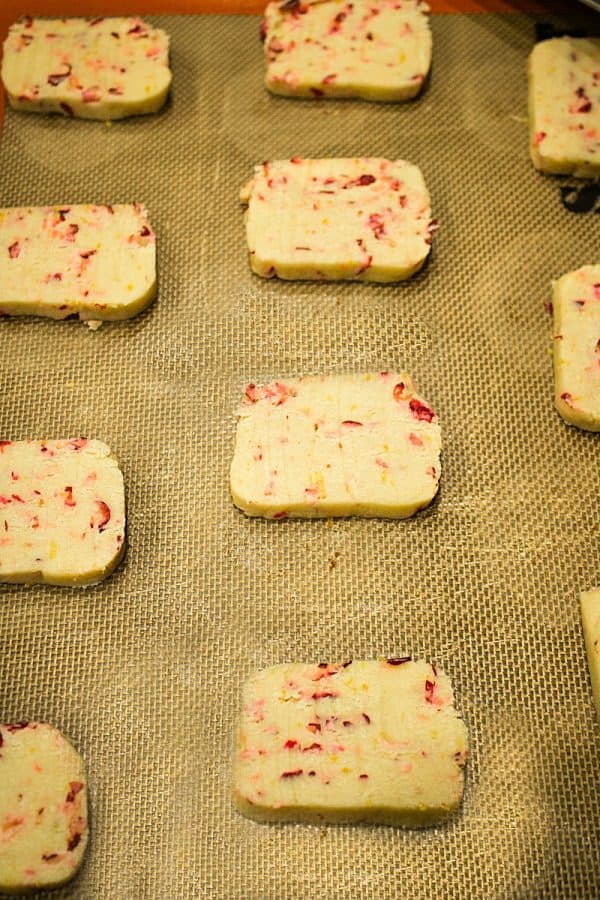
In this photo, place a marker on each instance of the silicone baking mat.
(144, 671)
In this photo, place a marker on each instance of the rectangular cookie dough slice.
(375, 741)
(576, 311)
(103, 68)
(372, 49)
(62, 512)
(95, 261)
(590, 616)
(43, 808)
(361, 219)
(335, 445)
(564, 106)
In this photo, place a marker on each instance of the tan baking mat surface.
(144, 671)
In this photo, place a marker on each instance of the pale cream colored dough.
(590, 615)
(372, 49)
(376, 741)
(62, 512)
(576, 311)
(95, 261)
(363, 219)
(337, 445)
(564, 106)
(43, 808)
(103, 68)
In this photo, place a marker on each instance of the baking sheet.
(144, 671)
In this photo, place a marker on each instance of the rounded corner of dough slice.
(339, 445)
(362, 219)
(103, 68)
(374, 50)
(97, 261)
(564, 106)
(43, 808)
(376, 741)
(576, 339)
(62, 512)
(590, 618)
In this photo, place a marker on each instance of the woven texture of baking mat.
(144, 671)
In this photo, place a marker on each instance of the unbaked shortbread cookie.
(95, 261)
(62, 512)
(43, 808)
(564, 106)
(590, 616)
(362, 219)
(576, 310)
(373, 49)
(90, 68)
(337, 445)
(377, 741)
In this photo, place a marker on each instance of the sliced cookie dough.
(375, 741)
(103, 68)
(336, 445)
(564, 106)
(43, 808)
(62, 512)
(371, 49)
(590, 617)
(364, 219)
(576, 312)
(98, 262)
